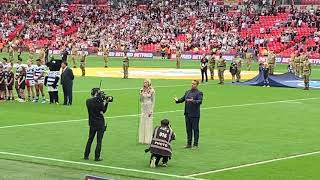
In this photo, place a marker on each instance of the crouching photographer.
(160, 147)
(97, 106)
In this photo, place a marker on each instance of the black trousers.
(204, 72)
(54, 97)
(192, 127)
(92, 132)
(158, 157)
(67, 93)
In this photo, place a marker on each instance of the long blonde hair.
(149, 87)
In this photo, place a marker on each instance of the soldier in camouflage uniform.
(297, 65)
(42, 55)
(83, 64)
(178, 58)
(303, 58)
(221, 64)
(11, 54)
(106, 51)
(291, 62)
(212, 64)
(271, 62)
(306, 67)
(239, 65)
(74, 54)
(31, 53)
(249, 60)
(125, 67)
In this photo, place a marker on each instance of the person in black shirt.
(64, 55)
(265, 73)
(204, 67)
(193, 100)
(96, 108)
(233, 70)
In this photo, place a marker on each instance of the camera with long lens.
(102, 96)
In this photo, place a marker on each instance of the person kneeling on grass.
(160, 146)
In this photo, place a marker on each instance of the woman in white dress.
(147, 100)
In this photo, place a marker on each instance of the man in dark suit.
(67, 83)
(96, 106)
(65, 54)
(193, 100)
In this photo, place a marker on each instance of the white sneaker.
(268, 86)
(264, 85)
(43, 101)
(153, 162)
(35, 101)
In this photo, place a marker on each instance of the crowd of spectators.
(198, 25)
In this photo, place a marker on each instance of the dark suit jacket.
(67, 77)
(95, 112)
(192, 109)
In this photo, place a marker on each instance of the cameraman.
(97, 106)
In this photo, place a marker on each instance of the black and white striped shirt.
(52, 75)
(29, 72)
(38, 71)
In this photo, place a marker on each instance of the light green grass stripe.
(164, 112)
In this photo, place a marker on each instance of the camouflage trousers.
(178, 63)
(306, 78)
(221, 75)
(271, 69)
(106, 60)
(238, 75)
(211, 69)
(74, 61)
(83, 69)
(125, 72)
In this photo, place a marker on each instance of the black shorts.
(2, 87)
(23, 86)
(10, 87)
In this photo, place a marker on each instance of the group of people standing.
(158, 138)
(301, 67)
(33, 78)
(216, 60)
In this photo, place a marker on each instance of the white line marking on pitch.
(163, 112)
(254, 164)
(137, 88)
(98, 165)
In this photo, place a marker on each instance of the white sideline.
(164, 112)
(98, 165)
(254, 164)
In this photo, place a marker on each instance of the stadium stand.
(194, 26)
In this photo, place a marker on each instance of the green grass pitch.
(239, 125)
